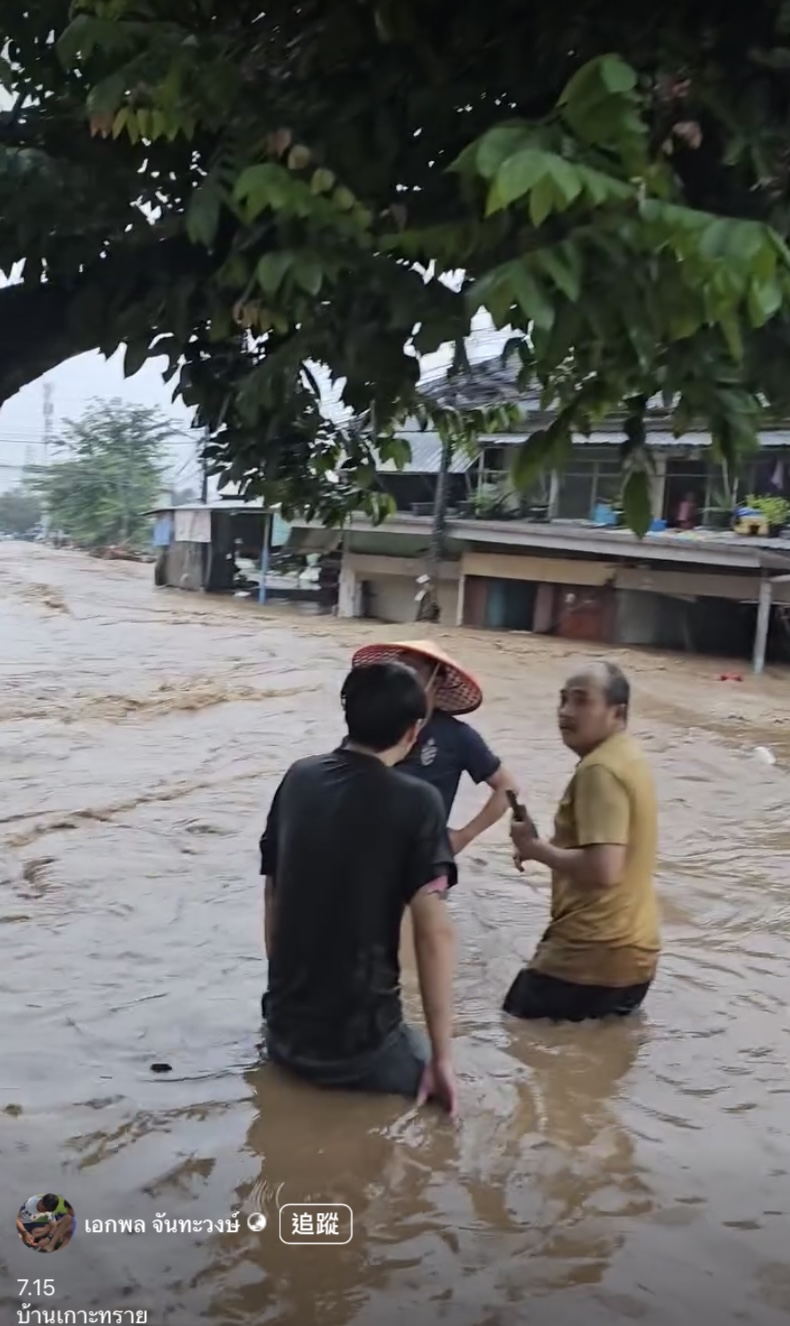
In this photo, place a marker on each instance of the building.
(555, 560)
(199, 544)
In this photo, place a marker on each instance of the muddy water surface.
(603, 1174)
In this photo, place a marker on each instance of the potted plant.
(497, 501)
(775, 511)
(717, 517)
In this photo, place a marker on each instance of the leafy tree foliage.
(257, 191)
(20, 511)
(110, 474)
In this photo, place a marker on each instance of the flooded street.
(598, 1174)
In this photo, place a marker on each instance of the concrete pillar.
(554, 494)
(543, 616)
(658, 483)
(349, 592)
(763, 623)
(459, 606)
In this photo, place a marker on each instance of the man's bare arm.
(434, 947)
(598, 866)
(490, 813)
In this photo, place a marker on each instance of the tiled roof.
(492, 382)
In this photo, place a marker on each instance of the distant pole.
(204, 466)
(48, 413)
(267, 538)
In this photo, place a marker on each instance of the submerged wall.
(186, 563)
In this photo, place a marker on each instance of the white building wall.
(393, 599)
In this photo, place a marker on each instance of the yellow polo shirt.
(606, 936)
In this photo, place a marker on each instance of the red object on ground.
(730, 676)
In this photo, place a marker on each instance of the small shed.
(198, 544)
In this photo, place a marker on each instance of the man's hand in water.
(438, 1083)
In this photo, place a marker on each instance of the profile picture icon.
(46, 1222)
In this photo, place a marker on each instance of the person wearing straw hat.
(446, 748)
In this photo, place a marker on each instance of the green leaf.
(398, 450)
(717, 238)
(533, 458)
(308, 274)
(271, 269)
(541, 201)
(616, 76)
(529, 169)
(764, 300)
(530, 295)
(515, 177)
(299, 157)
(637, 506)
(563, 264)
(322, 181)
(566, 179)
(732, 334)
(262, 186)
(136, 355)
(497, 146)
(601, 188)
(365, 475)
(106, 97)
(432, 334)
(202, 215)
(343, 199)
(601, 106)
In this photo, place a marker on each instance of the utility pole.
(49, 410)
(428, 608)
(204, 465)
(48, 413)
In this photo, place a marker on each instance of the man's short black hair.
(49, 1201)
(617, 688)
(382, 701)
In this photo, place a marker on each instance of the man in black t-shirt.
(349, 844)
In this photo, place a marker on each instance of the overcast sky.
(74, 385)
(77, 382)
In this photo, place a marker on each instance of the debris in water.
(764, 755)
(161, 1068)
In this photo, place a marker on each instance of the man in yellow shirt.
(599, 954)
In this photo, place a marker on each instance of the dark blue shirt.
(445, 750)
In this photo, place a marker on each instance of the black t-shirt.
(445, 749)
(348, 842)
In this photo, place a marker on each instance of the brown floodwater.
(597, 1174)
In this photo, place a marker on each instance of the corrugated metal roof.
(235, 507)
(771, 438)
(426, 456)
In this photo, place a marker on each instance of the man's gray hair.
(617, 687)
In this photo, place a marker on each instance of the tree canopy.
(110, 474)
(254, 192)
(20, 511)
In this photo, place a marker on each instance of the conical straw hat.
(456, 691)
